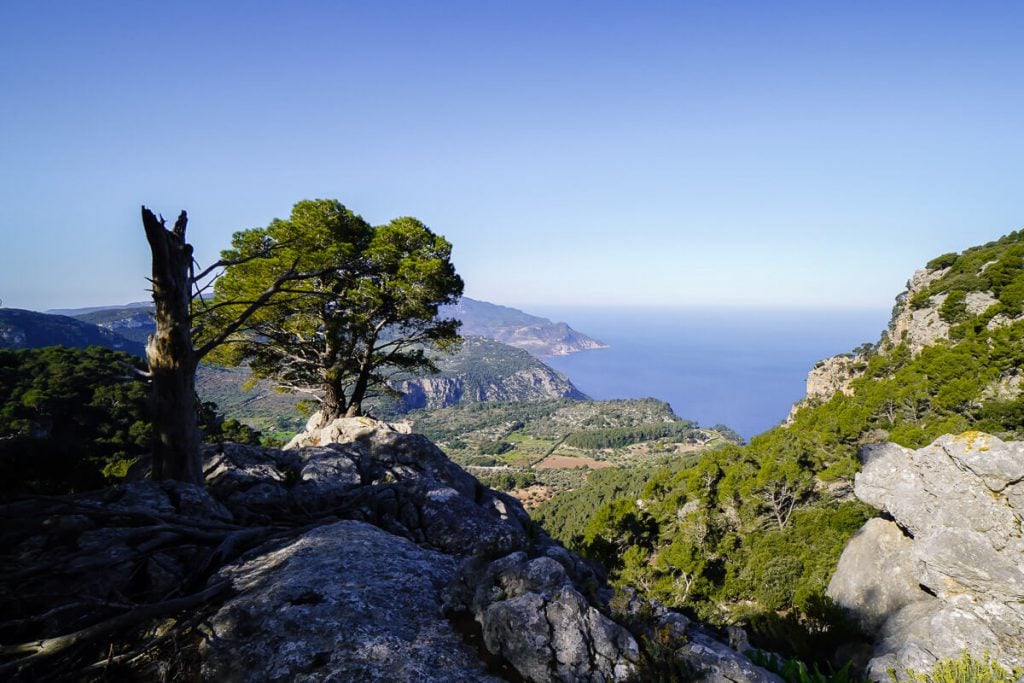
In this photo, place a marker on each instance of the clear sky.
(671, 154)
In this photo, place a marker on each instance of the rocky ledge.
(360, 553)
(943, 570)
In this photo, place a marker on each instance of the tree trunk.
(171, 356)
(355, 402)
(333, 405)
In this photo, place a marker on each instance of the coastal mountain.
(480, 369)
(134, 321)
(21, 329)
(540, 336)
(982, 288)
(484, 370)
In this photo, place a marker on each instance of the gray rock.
(319, 432)
(876, 575)
(343, 602)
(533, 616)
(960, 499)
(920, 634)
(716, 662)
(558, 637)
(400, 482)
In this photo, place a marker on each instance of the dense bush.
(509, 480)
(966, 669)
(71, 419)
(944, 261)
(620, 437)
(77, 419)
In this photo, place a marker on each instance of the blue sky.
(664, 154)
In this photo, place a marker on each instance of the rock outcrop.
(346, 601)
(485, 370)
(360, 553)
(833, 375)
(918, 326)
(945, 572)
(915, 323)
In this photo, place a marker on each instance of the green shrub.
(494, 447)
(71, 420)
(967, 669)
(921, 299)
(954, 308)
(944, 261)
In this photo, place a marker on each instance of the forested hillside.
(752, 534)
(536, 449)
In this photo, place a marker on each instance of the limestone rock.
(719, 663)
(398, 481)
(532, 615)
(342, 430)
(528, 384)
(876, 575)
(372, 559)
(832, 375)
(345, 601)
(961, 500)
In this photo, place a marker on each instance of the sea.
(737, 367)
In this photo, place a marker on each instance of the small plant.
(920, 300)
(795, 671)
(966, 669)
(659, 663)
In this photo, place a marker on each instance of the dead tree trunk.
(171, 356)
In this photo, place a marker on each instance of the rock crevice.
(957, 582)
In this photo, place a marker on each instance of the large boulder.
(876, 575)
(345, 602)
(533, 615)
(956, 508)
(397, 481)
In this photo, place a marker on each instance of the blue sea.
(741, 368)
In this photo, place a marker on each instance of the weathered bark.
(362, 383)
(171, 356)
(355, 404)
(333, 404)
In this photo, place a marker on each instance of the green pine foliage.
(624, 436)
(78, 419)
(996, 267)
(71, 419)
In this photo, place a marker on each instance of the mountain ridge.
(481, 369)
(539, 336)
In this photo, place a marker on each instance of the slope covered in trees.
(752, 534)
(77, 419)
(71, 419)
(535, 449)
